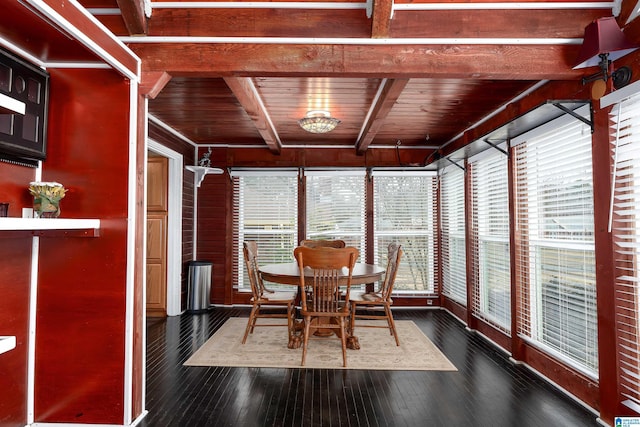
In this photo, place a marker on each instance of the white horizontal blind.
(404, 212)
(265, 210)
(490, 210)
(555, 261)
(626, 233)
(335, 207)
(454, 283)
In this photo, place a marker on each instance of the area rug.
(267, 347)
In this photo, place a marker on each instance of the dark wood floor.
(487, 390)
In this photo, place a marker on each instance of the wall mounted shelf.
(50, 227)
(7, 344)
(202, 171)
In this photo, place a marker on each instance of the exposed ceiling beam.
(500, 62)
(245, 91)
(381, 18)
(389, 92)
(153, 82)
(133, 15)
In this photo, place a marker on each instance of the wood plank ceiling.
(413, 73)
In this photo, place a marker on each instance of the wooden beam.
(484, 62)
(132, 12)
(69, 19)
(153, 82)
(381, 18)
(389, 92)
(245, 91)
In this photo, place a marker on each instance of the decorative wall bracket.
(202, 171)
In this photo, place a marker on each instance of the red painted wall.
(15, 264)
(80, 333)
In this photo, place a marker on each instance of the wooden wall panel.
(212, 236)
(80, 340)
(188, 209)
(139, 319)
(15, 265)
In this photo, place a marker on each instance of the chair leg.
(352, 320)
(290, 319)
(392, 325)
(343, 339)
(251, 323)
(305, 340)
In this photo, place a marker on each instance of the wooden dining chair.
(323, 243)
(322, 305)
(263, 297)
(378, 299)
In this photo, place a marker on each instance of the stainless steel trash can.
(199, 288)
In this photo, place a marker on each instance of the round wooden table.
(289, 274)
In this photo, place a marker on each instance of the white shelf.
(7, 344)
(29, 224)
(202, 171)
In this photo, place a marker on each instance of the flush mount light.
(318, 121)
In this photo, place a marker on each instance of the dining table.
(289, 274)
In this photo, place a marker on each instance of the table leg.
(295, 335)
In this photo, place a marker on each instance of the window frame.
(410, 264)
(538, 184)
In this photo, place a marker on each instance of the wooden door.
(157, 202)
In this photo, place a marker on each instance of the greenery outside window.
(404, 212)
(490, 213)
(454, 276)
(335, 207)
(266, 211)
(554, 228)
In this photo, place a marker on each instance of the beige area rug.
(267, 348)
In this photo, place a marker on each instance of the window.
(490, 211)
(625, 223)
(454, 284)
(335, 207)
(266, 210)
(404, 206)
(555, 256)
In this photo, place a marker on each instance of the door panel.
(157, 189)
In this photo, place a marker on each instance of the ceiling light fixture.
(318, 121)
(603, 43)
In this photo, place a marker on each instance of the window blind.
(453, 234)
(404, 212)
(265, 210)
(490, 211)
(555, 256)
(625, 119)
(335, 207)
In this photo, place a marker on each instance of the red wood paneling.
(82, 281)
(139, 324)
(579, 385)
(611, 397)
(15, 265)
(213, 246)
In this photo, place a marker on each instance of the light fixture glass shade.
(602, 36)
(318, 122)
